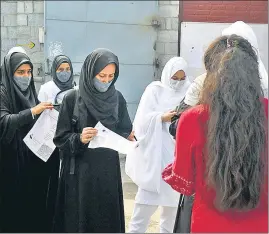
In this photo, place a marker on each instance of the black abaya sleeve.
(65, 138)
(124, 127)
(10, 123)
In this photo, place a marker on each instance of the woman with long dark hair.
(193, 92)
(221, 152)
(219, 45)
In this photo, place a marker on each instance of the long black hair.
(236, 133)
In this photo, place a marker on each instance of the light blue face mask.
(63, 76)
(22, 82)
(100, 86)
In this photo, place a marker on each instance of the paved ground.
(129, 192)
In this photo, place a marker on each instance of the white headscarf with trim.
(16, 49)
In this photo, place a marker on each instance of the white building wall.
(196, 37)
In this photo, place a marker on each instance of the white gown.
(156, 148)
(167, 196)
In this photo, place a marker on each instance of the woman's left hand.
(131, 137)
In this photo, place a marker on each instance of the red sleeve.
(180, 175)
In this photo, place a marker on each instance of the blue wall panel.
(75, 28)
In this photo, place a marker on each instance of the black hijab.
(102, 106)
(19, 100)
(58, 60)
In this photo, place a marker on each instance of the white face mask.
(177, 84)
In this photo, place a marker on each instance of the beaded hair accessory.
(232, 43)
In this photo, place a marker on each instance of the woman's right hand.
(41, 107)
(88, 134)
(166, 117)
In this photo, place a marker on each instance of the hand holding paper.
(88, 134)
(109, 139)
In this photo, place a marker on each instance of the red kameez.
(187, 176)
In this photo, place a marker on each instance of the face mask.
(22, 82)
(176, 84)
(100, 86)
(63, 76)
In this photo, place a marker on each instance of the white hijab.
(193, 92)
(16, 49)
(174, 65)
(144, 165)
(242, 29)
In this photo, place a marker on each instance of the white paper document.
(108, 139)
(40, 138)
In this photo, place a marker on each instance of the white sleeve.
(143, 164)
(42, 96)
(146, 111)
(193, 93)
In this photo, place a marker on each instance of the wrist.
(80, 138)
(33, 111)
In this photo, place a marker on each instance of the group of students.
(213, 146)
(86, 195)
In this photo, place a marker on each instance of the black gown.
(28, 185)
(90, 195)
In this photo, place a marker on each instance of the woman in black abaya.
(90, 197)
(26, 194)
